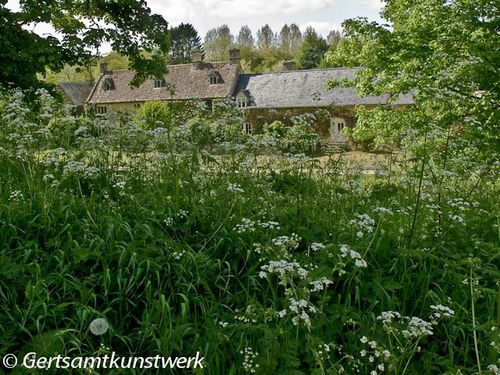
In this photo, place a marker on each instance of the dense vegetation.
(171, 232)
(184, 239)
(82, 27)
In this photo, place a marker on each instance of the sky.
(323, 15)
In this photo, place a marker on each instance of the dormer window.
(243, 99)
(108, 84)
(214, 80)
(159, 83)
(242, 102)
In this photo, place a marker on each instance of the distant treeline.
(260, 52)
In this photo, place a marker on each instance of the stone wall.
(259, 117)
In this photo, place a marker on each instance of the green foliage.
(217, 43)
(266, 39)
(312, 50)
(280, 265)
(302, 136)
(129, 28)
(444, 53)
(160, 114)
(154, 114)
(183, 39)
(276, 129)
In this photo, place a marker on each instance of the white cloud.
(322, 15)
(235, 8)
(323, 28)
(373, 4)
(205, 14)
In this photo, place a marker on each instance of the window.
(246, 128)
(214, 79)
(337, 125)
(108, 84)
(158, 83)
(101, 109)
(242, 102)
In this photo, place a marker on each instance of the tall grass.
(294, 267)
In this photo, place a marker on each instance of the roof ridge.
(311, 70)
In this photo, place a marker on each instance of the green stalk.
(474, 331)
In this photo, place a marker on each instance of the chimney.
(289, 65)
(234, 56)
(196, 56)
(103, 68)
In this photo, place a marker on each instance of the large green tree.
(183, 38)
(446, 53)
(218, 41)
(245, 38)
(266, 38)
(312, 50)
(82, 27)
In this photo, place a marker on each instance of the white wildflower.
(417, 327)
(235, 188)
(316, 246)
(320, 284)
(441, 311)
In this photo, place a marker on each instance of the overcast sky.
(323, 15)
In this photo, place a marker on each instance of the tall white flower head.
(99, 326)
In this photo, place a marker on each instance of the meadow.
(191, 238)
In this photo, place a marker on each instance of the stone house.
(263, 98)
(283, 95)
(198, 80)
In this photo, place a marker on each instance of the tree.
(295, 39)
(333, 38)
(312, 50)
(183, 39)
(285, 39)
(266, 39)
(217, 43)
(128, 26)
(446, 54)
(345, 54)
(245, 38)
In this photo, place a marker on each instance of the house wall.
(115, 107)
(261, 116)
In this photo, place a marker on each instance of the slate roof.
(182, 82)
(76, 92)
(306, 88)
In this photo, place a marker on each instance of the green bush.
(154, 114)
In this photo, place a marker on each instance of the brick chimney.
(289, 65)
(234, 56)
(196, 56)
(103, 68)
